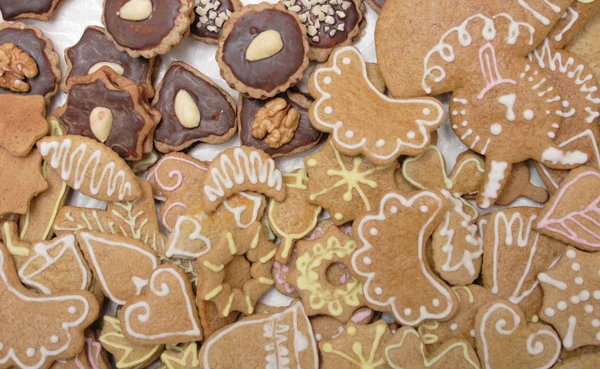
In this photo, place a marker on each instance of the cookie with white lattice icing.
(571, 23)
(346, 186)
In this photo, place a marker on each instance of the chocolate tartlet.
(210, 17)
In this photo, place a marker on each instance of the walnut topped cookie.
(28, 61)
(193, 109)
(329, 23)
(142, 28)
(94, 50)
(263, 50)
(32, 9)
(210, 17)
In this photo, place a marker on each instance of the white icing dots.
(328, 110)
(30, 352)
(378, 290)
(576, 267)
(327, 80)
(579, 281)
(373, 231)
(318, 337)
(435, 302)
(426, 111)
(584, 295)
(549, 312)
(54, 339)
(571, 254)
(575, 300)
(407, 311)
(551, 134)
(453, 326)
(454, 112)
(346, 60)
(595, 323)
(380, 143)
(528, 114)
(424, 208)
(596, 295)
(72, 310)
(367, 260)
(349, 133)
(393, 210)
(472, 333)
(463, 112)
(464, 124)
(411, 135)
(589, 309)
(496, 129)
(561, 305)
(565, 104)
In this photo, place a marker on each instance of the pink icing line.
(489, 69)
(94, 359)
(281, 281)
(361, 314)
(173, 173)
(173, 205)
(593, 207)
(346, 276)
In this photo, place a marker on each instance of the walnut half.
(278, 121)
(15, 66)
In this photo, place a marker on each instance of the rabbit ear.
(427, 171)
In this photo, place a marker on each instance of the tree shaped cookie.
(346, 102)
(398, 230)
(571, 298)
(346, 186)
(406, 349)
(457, 249)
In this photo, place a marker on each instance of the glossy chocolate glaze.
(94, 47)
(305, 134)
(12, 8)
(266, 74)
(201, 30)
(127, 123)
(145, 34)
(217, 115)
(26, 40)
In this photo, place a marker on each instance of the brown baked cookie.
(209, 18)
(110, 109)
(32, 9)
(22, 122)
(279, 126)
(22, 180)
(589, 360)
(94, 50)
(519, 185)
(263, 50)
(329, 24)
(142, 29)
(573, 20)
(22, 47)
(584, 44)
(193, 109)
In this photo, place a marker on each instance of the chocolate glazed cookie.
(30, 9)
(94, 50)
(193, 109)
(263, 50)
(32, 43)
(147, 27)
(252, 111)
(210, 17)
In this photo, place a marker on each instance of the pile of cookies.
(389, 258)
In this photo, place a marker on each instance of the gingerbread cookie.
(572, 213)
(193, 108)
(52, 325)
(22, 123)
(127, 355)
(295, 217)
(571, 298)
(583, 43)
(110, 109)
(94, 50)
(279, 126)
(56, 266)
(506, 340)
(384, 234)
(407, 349)
(456, 248)
(580, 362)
(514, 254)
(31, 66)
(572, 22)
(165, 312)
(241, 169)
(263, 50)
(36, 9)
(342, 86)
(90, 167)
(264, 340)
(181, 358)
(519, 185)
(209, 18)
(319, 293)
(141, 29)
(22, 181)
(356, 180)
(253, 268)
(37, 223)
(329, 25)
(121, 264)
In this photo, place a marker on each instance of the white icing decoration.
(196, 235)
(239, 210)
(495, 176)
(496, 129)
(509, 102)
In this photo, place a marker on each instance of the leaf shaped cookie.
(573, 213)
(90, 167)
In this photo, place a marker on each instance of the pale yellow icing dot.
(311, 162)
(338, 216)
(327, 347)
(352, 331)
(535, 319)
